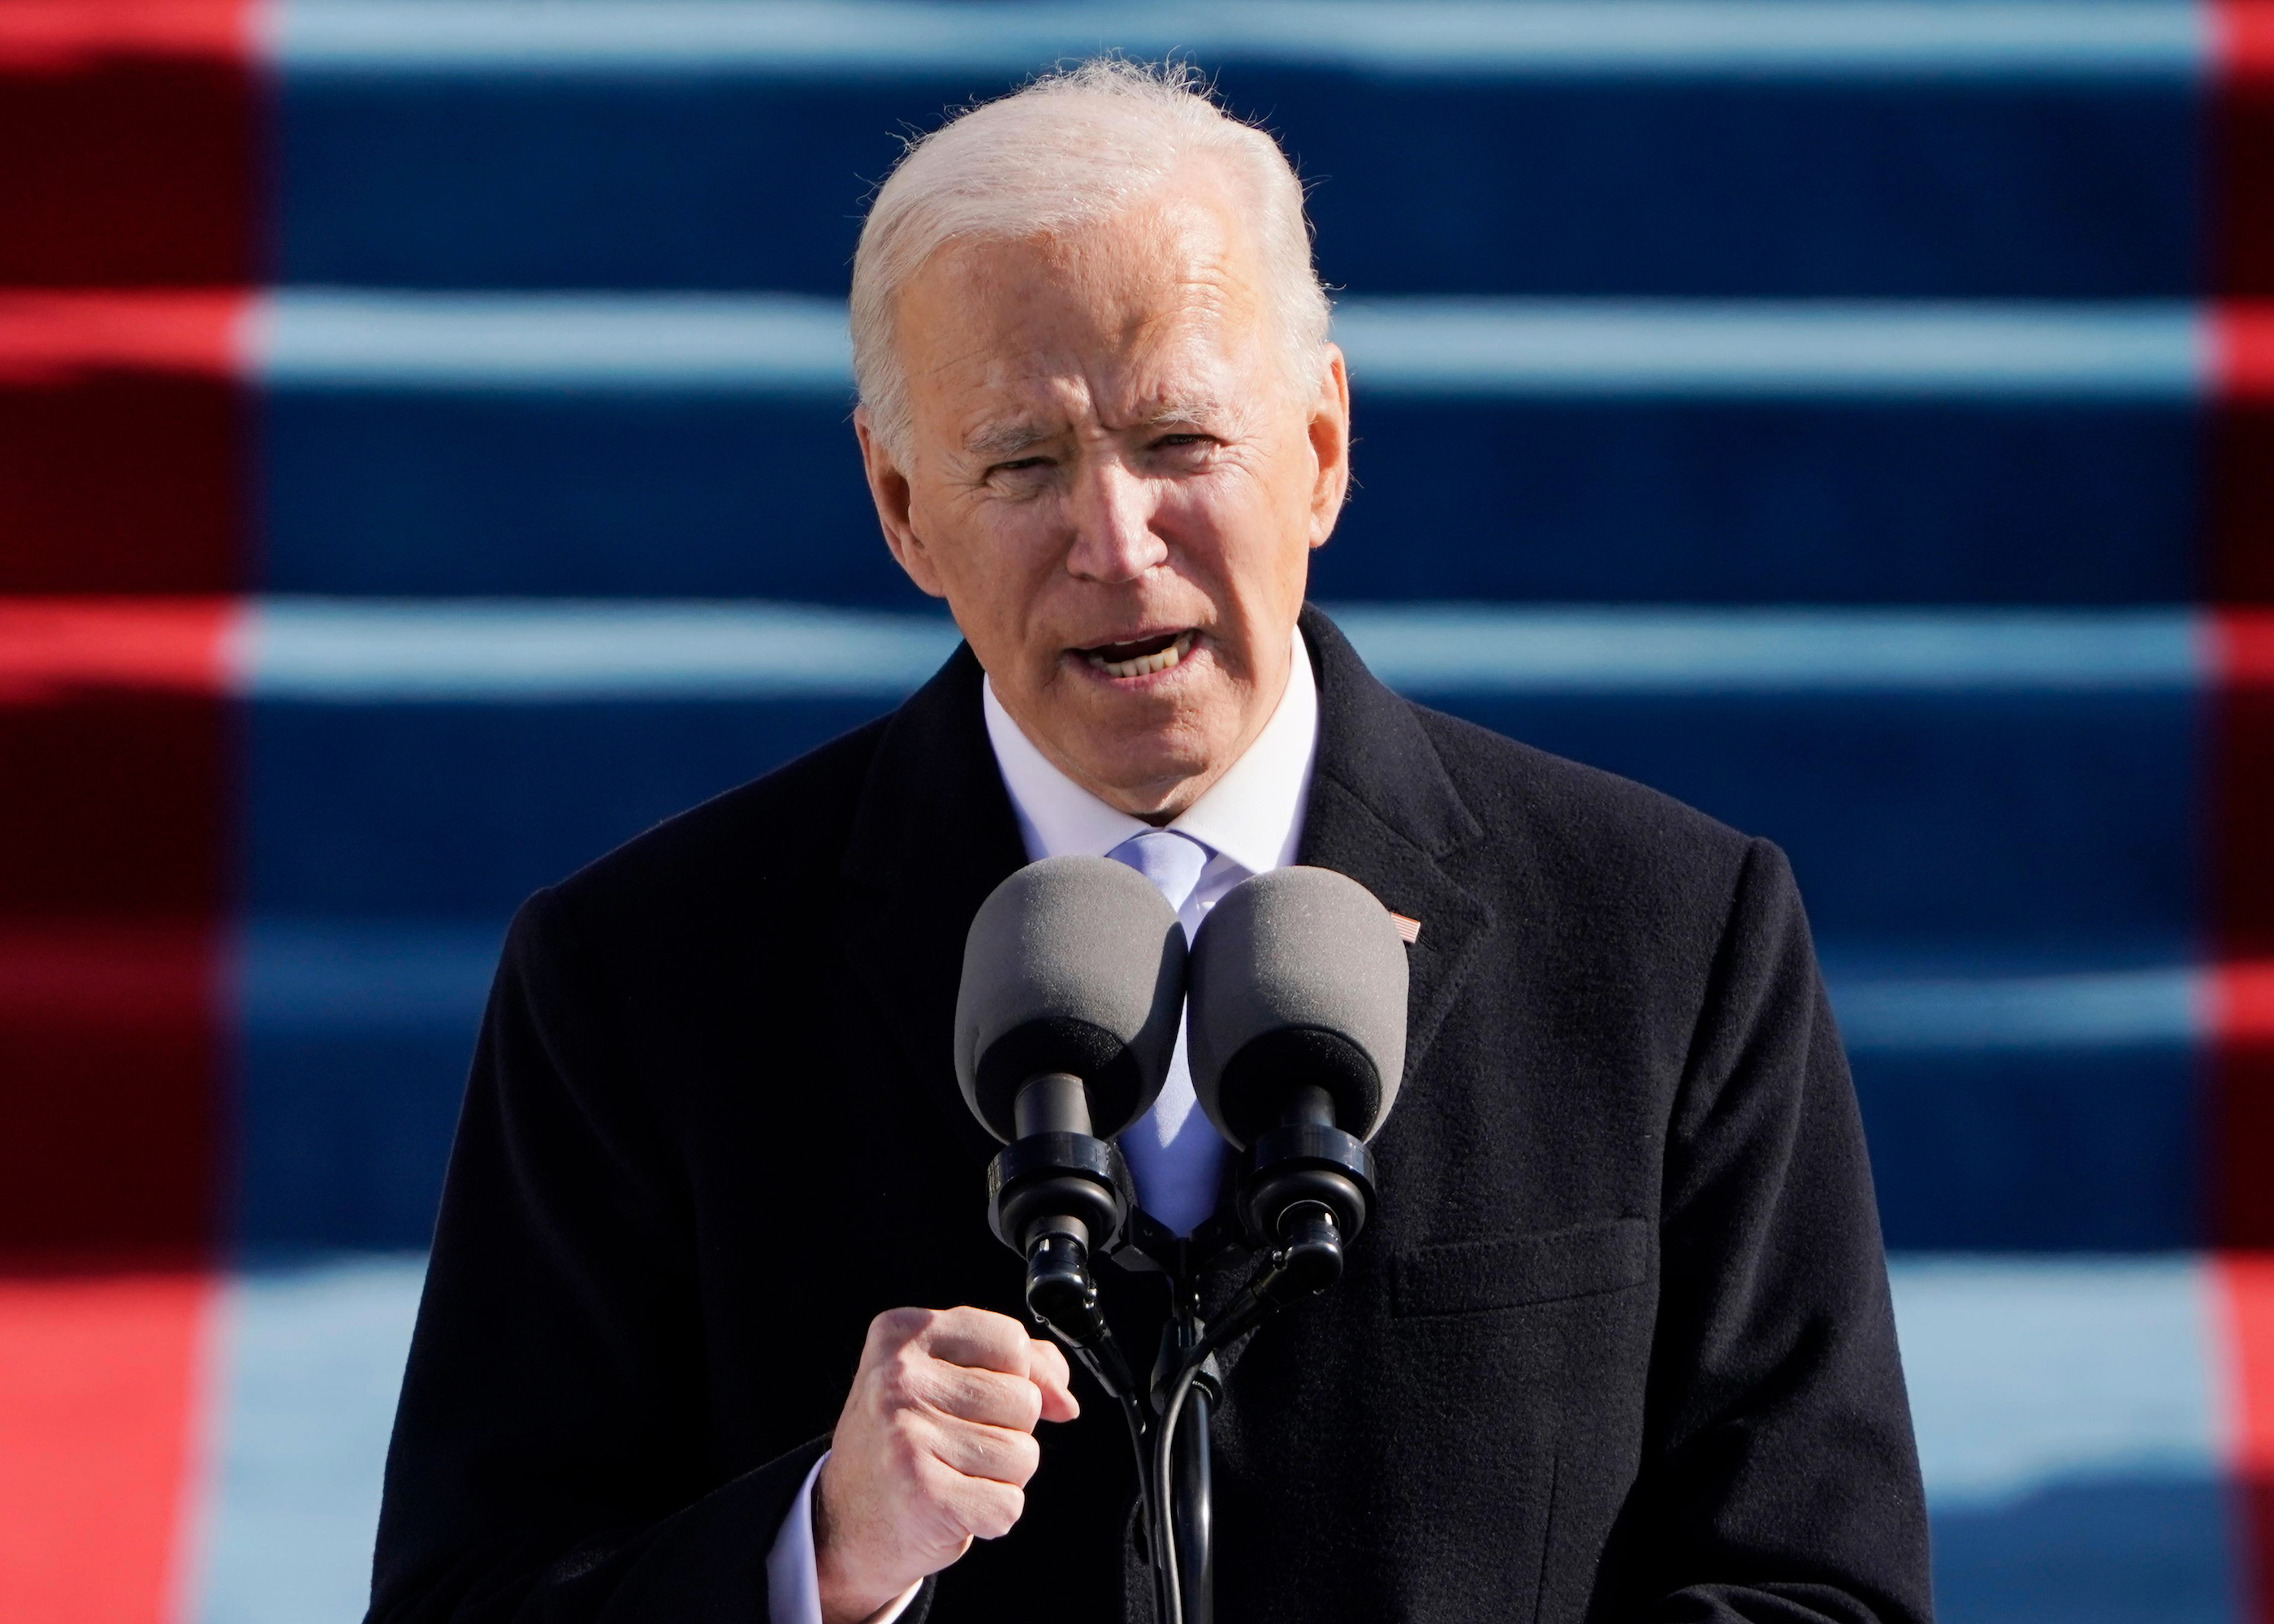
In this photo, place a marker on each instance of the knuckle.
(1022, 1458)
(998, 1510)
(998, 1334)
(907, 1449)
(891, 1331)
(902, 1377)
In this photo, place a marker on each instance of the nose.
(1112, 514)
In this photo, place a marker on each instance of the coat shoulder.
(1596, 836)
(781, 833)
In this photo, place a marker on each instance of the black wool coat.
(1617, 1347)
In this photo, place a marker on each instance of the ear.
(889, 489)
(1330, 430)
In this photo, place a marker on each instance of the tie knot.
(1170, 861)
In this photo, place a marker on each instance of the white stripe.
(2101, 1009)
(776, 343)
(1466, 649)
(376, 650)
(1924, 38)
(294, 977)
(367, 649)
(312, 1361)
(2023, 1374)
(1515, 346)
(1475, 348)
(2026, 1375)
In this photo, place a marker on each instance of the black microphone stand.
(1306, 1187)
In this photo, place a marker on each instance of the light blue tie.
(1173, 1153)
(1172, 861)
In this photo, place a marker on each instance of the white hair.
(1068, 149)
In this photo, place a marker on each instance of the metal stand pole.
(1189, 1512)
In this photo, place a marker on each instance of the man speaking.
(711, 1330)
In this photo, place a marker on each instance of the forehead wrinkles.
(1157, 360)
(1086, 404)
(1103, 325)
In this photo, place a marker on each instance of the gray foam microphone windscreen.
(1298, 975)
(1076, 965)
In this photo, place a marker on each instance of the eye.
(1018, 465)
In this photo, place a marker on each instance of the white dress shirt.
(1250, 821)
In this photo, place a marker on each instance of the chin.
(1146, 775)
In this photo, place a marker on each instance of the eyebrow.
(1008, 440)
(1001, 439)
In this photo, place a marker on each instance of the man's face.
(1116, 486)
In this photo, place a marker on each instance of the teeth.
(1144, 664)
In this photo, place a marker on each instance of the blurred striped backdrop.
(422, 464)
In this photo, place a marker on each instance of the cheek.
(995, 560)
(1247, 528)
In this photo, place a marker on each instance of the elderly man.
(711, 1329)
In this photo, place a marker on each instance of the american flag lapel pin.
(1407, 929)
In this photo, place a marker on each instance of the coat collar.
(934, 832)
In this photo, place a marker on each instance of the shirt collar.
(1253, 815)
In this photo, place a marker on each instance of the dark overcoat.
(1617, 1348)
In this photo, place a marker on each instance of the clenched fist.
(933, 1451)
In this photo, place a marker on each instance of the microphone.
(1066, 1022)
(1296, 1027)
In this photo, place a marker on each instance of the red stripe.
(131, 130)
(2242, 800)
(62, 34)
(94, 384)
(2242, 148)
(50, 646)
(111, 1086)
(99, 1383)
(2242, 41)
(50, 338)
(2243, 1285)
(2243, 351)
(2242, 1002)
(2241, 1061)
(2242, 648)
(114, 868)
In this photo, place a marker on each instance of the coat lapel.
(1383, 811)
(933, 834)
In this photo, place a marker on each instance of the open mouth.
(1142, 658)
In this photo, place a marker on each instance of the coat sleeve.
(547, 1462)
(1780, 1480)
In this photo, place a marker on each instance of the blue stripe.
(785, 344)
(1904, 38)
(363, 650)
